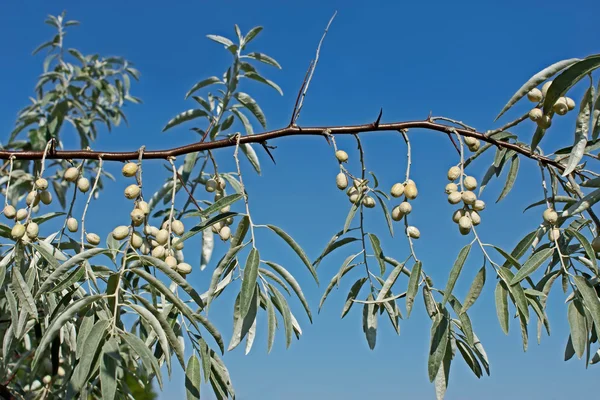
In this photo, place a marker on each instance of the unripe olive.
(83, 184)
(545, 88)
(143, 206)
(470, 141)
(177, 227)
(158, 252)
(464, 231)
(536, 114)
(341, 181)
(136, 240)
(475, 146)
(132, 191)
(92, 239)
(177, 243)
(369, 202)
(397, 190)
(453, 173)
(210, 185)
(9, 212)
(60, 372)
(560, 107)
(550, 216)
(145, 249)
(229, 221)
(35, 209)
(535, 95)
(171, 261)
(32, 230)
(570, 103)
(410, 191)
(413, 232)
(358, 183)
(454, 198)
(458, 214)
(18, 231)
(225, 233)
(47, 379)
(465, 222)
(397, 213)
(154, 243)
(354, 198)
(596, 244)
(72, 224)
(149, 230)
(341, 156)
(129, 169)
(475, 217)
(545, 122)
(46, 197)
(21, 214)
(33, 198)
(25, 240)
(184, 268)
(120, 232)
(554, 234)
(71, 174)
(41, 184)
(405, 208)
(225, 209)
(137, 216)
(221, 183)
(352, 191)
(162, 237)
(219, 195)
(36, 385)
(451, 187)
(479, 205)
(470, 183)
(469, 197)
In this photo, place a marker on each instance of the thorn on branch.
(376, 123)
(267, 147)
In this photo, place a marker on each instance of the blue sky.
(462, 60)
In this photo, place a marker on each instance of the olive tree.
(86, 316)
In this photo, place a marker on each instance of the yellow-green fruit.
(158, 252)
(219, 195)
(60, 372)
(554, 234)
(225, 233)
(21, 214)
(143, 206)
(351, 191)
(570, 103)
(47, 379)
(535, 114)
(410, 191)
(18, 231)
(33, 198)
(9, 212)
(470, 141)
(413, 232)
(129, 169)
(162, 237)
(132, 191)
(225, 209)
(221, 183)
(545, 88)
(369, 202)
(41, 184)
(397, 190)
(451, 188)
(397, 214)
(465, 222)
(35, 209)
(46, 197)
(177, 243)
(184, 268)
(151, 230)
(479, 205)
(469, 197)
(171, 261)
(560, 107)
(177, 227)
(454, 198)
(341, 156)
(358, 183)
(458, 214)
(470, 183)
(354, 198)
(137, 216)
(32, 230)
(405, 208)
(453, 173)
(71, 174)
(464, 231)
(83, 184)
(229, 221)
(136, 240)
(120, 232)
(341, 181)
(72, 224)
(475, 217)
(545, 122)
(145, 249)
(550, 216)
(596, 244)
(535, 95)
(475, 146)
(211, 185)
(92, 239)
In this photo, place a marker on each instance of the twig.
(508, 125)
(243, 187)
(362, 225)
(87, 204)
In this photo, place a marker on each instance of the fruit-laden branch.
(263, 137)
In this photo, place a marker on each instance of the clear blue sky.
(457, 59)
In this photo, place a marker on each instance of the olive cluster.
(468, 215)
(217, 186)
(562, 106)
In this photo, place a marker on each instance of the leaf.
(208, 244)
(192, 378)
(590, 298)
(440, 339)
(346, 266)
(251, 155)
(140, 348)
(474, 290)
(249, 282)
(252, 106)
(501, 295)
(455, 272)
(271, 324)
(469, 357)
(108, 372)
(257, 77)
(284, 310)
(510, 177)
(580, 206)
(245, 121)
(535, 80)
(532, 264)
(289, 278)
(413, 287)
(252, 34)
(243, 323)
(443, 374)
(332, 245)
(288, 239)
(159, 330)
(516, 291)
(589, 251)
(376, 245)
(184, 117)
(206, 224)
(581, 132)
(23, 293)
(352, 293)
(64, 267)
(386, 213)
(264, 59)
(370, 322)
(556, 199)
(90, 349)
(46, 217)
(577, 323)
(203, 83)
(389, 282)
(217, 205)
(220, 39)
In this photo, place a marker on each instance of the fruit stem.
(87, 203)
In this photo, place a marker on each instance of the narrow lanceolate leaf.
(443, 375)
(271, 324)
(220, 39)
(370, 322)
(346, 266)
(455, 272)
(510, 178)
(243, 324)
(284, 309)
(413, 287)
(582, 127)
(203, 83)
(474, 290)
(64, 267)
(264, 59)
(249, 282)
(535, 80)
(332, 245)
(557, 199)
(90, 347)
(217, 205)
(23, 293)
(586, 202)
(577, 323)
(376, 245)
(144, 353)
(257, 77)
(184, 117)
(516, 291)
(289, 278)
(252, 106)
(501, 295)
(250, 154)
(352, 294)
(440, 338)
(596, 115)
(288, 239)
(192, 378)
(56, 325)
(108, 372)
(590, 299)
(208, 244)
(386, 214)
(389, 282)
(532, 264)
(351, 215)
(589, 251)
